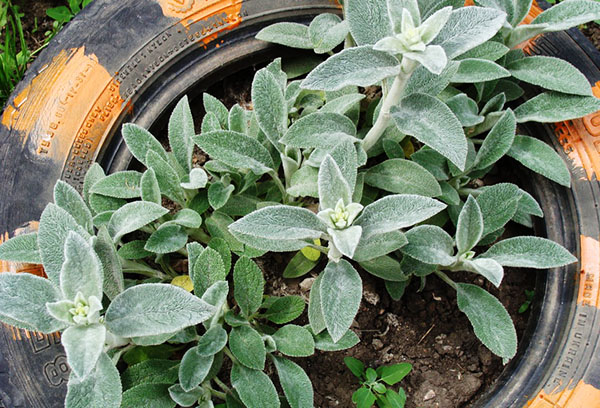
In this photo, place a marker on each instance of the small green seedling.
(525, 306)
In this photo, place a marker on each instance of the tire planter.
(131, 61)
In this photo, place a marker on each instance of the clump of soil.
(592, 32)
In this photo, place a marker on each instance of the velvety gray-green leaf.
(469, 229)
(208, 269)
(270, 107)
(140, 142)
(296, 385)
(465, 110)
(403, 177)
(212, 341)
(83, 346)
(304, 183)
(148, 395)
(486, 267)
(133, 216)
(385, 267)
(219, 194)
(473, 70)
(326, 32)
(248, 347)
(567, 14)
(101, 389)
(111, 265)
(93, 174)
(369, 21)
(21, 248)
(123, 184)
(289, 34)
(216, 107)
(556, 107)
(180, 132)
(168, 238)
(149, 188)
(430, 244)
(498, 142)
(81, 271)
(319, 130)
(285, 309)
(166, 176)
(315, 312)
(254, 387)
(324, 342)
(67, 198)
(294, 341)
(248, 285)
(193, 369)
(378, 245)
(529, 252)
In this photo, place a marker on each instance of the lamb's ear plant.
(139, 265)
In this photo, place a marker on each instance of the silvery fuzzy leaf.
(187, 399)
(396, 289)
(469, 228)
(541, 158)
(430, 244)
(67, 198)
(551, 73)
(465, 110)
(21, 248)
(433, 58)
(412, 266)
(498, 205)
(166, 239)
(294, 341)
(403, 177)
(444, 135)
(248, 347)
(100, 203)
(254, 387)
(527, 206)
(360, 66)
(424, 81)
(55, 224)
(529, 252)
(197, 179)
(249, 286)
(218, 227)
(216, 295)
(304, 183)
(186, 218)
(326, 32)
(94, 173)
(472, 70)
(296, 385)
(340, 294)
(180, 132)
(556, 107)
(81, 271)
(278, 223)
(342, 104)
(194, 249)
(152, 308)
(208, 269)
(210, 123)
(270, 108)
(83, 346)
(167, 177)
(495, 104)
(23, 299)
(123, 184)
(148, 395)
(379, 245)
(133, 216)
(134, 250)
(324, 342)
(332, 185)
(368, 19)
(396, 211)
(149, 188)
(216, 107)
(111, 265)
(385, 267)
(274, 67)
(153, 371)
(236, 150)
(289, 34)
(490, 320)
(434, 162)
(449, 194)
(567, 14)
(432, 26)
(395, 8)
(498, 142)
(346, 240)
(140, 142)
(152, 340)
(212, 341)
(237, 119)
(486, 267)
(490, 50)
(285, 309)
(467, 28)
(100, 389)
(319, 130)
(299, 266)
(193, 369)
(219, 194)
(315, 312)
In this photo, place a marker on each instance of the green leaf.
(149, 188)
(332, 185)
(396, 211)
(403, 177)
(219, 194)
(529, 252)
(424, 81)
(490, 320)
(486, 267)
(289, 34)
(340, 294)
(378, 245)
(299, 266)
(83, 346)
(465, 110)
(93, 174)
(140, 142)
(249, 285)
(123, 184)
(296, 385)
(133, 216)
(134, 250)
(23, 299)
(285, 309)
(135, 312)
(167, 177)
(193, 369)
(197, 179)
(551, 73)
(254, 387)
(100, 203)
(212, 342)
(21, 248)
(324, 342)
(498, 142)
(326, 32)
(386, 268)
(111, 265)
(168, 238)
(556, 107)
(396, 289)
(236, 150)
(541, 158)
(248, 347)
(342, 104)
(320, 130)
(368, 19)
(360, 66)
(218, 227)
(467, 28)
(208, 269)
(81, 271)
(270, 108)
(315, 312)
(304, 183)
(294, 341)
(216, 107)
(469, 229)
(498, 204)
(445, 135)
(220, 245)
(100, 389)
(180, 131)
(187, 399)
(490, 50)
(363, 398)
(148, 395)
(393, 374)
(67, 198)
(156, 371)
(430, 244)
(567, 14)
(473, 70)
(355, 366)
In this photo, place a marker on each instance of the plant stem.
(392, 98)
(446, 279)
(230, 355)
(199, 235)
(279, 185)
(222, 385)
(218, 394)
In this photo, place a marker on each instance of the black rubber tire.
(132, 60)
